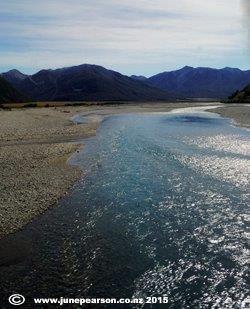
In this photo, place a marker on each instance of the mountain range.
(84, 82)
(190, 82)
(95, 83)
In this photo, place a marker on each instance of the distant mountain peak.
(231, 69)
(13, 71)
(186, 67)
(15, 74)
(139, 77)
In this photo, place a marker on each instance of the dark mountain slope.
(242, 96)
(8, 94)
(201, 82)
(89, 83)
(14, 77)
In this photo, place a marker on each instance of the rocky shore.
(240, 113)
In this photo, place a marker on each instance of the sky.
(142, 37)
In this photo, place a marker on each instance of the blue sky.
(131, 36)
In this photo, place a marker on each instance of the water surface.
(161, 211)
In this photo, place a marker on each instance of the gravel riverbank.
(239, 113)
(34, 149)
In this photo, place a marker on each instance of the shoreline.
(40, 142)
(35, 146)
(239, 113)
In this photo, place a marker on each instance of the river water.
(161, 211)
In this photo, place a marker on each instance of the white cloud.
(119, 34)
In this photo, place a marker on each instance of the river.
(162, 210)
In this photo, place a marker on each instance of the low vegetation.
(242, 96)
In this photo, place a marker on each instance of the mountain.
(8, 94)
(95, 83)
(190, 82)
(14, 77)
(86, 83)
(138, 77)
(242, 96)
